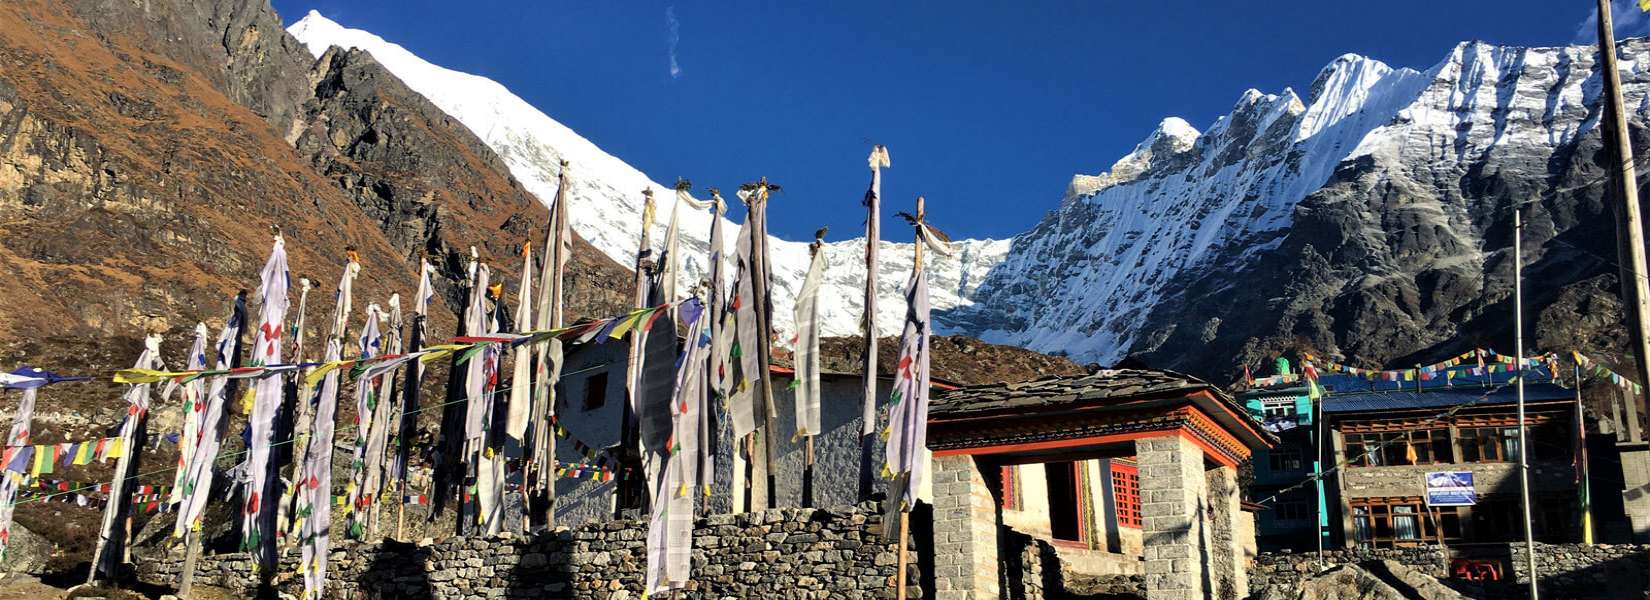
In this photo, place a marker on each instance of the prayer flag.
(807, 345)
(15, 441)
(111, 539)
(369, 345)
(312, 516)
(259, 539)
(670, 530)
(226, 354)
(908, 403)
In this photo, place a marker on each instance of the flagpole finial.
(683, 185)
(879, 157)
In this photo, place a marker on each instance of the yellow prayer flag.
(1644, 5)
(142, 376)
(83, 456)
(42, 458)
(629, 323)
(117, 448)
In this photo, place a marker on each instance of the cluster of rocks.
(790, 553)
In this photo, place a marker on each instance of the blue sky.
(987, 108)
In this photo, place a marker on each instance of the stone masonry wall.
(1601, 571)
(1285, 570)
(782, 553)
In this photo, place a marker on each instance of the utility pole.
(1583, 477)
(1634, 288)
(1523, 428)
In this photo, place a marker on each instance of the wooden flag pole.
(764, 331)
(630, 434)
(868, 408)
(904, 560)
(191, 554)
(904, 513)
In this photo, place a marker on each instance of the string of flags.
(1604, 372)
(1477, 362)
(597, 331)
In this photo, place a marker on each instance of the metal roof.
(1373, 401)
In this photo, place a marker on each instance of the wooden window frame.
(1125, 486)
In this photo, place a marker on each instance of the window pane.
(1509, 444)
(1404, 524)
(1440, 447)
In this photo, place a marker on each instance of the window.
(1125, 486)
(1391, 522)
(1281, 461)
(1489, 444)
(1293, 511)
(1385, 448)
(595, 391)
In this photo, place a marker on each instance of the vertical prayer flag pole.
(521, 391)
(198, 484)
(807, 363)
(631, 480)
(714, 375)
(764, 323)
(908, 402)
(868, 410)
(137, 409)
(409, 399)
(905, 515)
(557, 247)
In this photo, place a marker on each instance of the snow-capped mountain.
(606, 194)
(1365, 218)
(1368, 220)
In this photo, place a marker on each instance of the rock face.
(147, 149)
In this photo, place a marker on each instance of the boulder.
(26, 552)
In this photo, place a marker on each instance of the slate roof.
(1054, 391)
(1113, 389)
(1375, 401)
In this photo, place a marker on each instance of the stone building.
(1129, 469)
(1391, 440)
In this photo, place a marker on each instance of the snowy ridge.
(606, 195)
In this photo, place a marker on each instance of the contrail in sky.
(673, 37)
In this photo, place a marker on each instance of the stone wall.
(1603, 571)
(783, 553)
(1599, 572)
(1285, 570)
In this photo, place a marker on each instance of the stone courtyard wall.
(1603, 571)
(1597, 572)
(781, 553)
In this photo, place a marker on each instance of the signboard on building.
(1450, 488)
